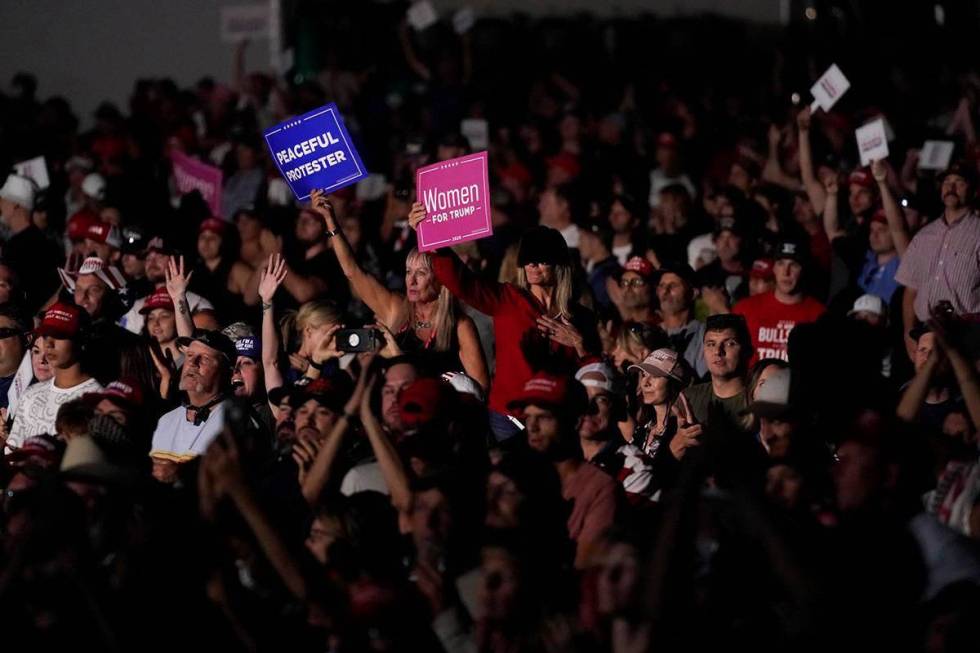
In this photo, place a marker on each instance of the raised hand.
(416, 215)
(326, 348)
(561, 331)
(305, 450)
(323, 208)
(391, 348)
(803, 119)
(176, 279)
(272, 277)
(878, 170)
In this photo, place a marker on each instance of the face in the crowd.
(431, 521)
(134, 267)
(90, 292)
(7, 209)
(111, 409)
(206, 319)
(285, 426)
(739, 178)
(783, 486)
(161, 325)
(499, 589)
(788, 273)
(955, 191)
(309, 228)
(208, 245)
(618, 579)
(314, 420)
(542, 428)
(653, 390)
(352, 230)
(156, 266)
(503, 502)
(880, 238)
(722, 352)
(553, 209)
(12, 346)
(101, 250)
(620, 220)
(202, 369)
(540, 274)
(59, 352)
(111, 215)
(674, 294)
(666, 157)
(636, 290)
(420, 282)
(803, 211)
(39, 361)
(324, 531)
(857, 475)
(249, 227)
(776, 436)
(397, 377)
(728, 245)
(597, 421)
(860, 199)
(246, 377)
(759, 285)
(6, 283)
(246, 157)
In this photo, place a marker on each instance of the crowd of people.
(710, 382)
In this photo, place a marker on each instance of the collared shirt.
(878, 279)
(943, 263)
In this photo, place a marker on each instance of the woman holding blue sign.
(427, 317)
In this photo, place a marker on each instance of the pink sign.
(456, 195)
(190, 174)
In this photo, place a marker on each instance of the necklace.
(419, 324)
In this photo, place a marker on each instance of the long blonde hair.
(562, 302)
(313, 314)
(444, 320)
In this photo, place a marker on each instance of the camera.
(359, 340)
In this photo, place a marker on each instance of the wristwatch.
(332, 232)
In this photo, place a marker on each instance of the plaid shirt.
(943, 263)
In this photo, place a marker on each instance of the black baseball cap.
(213, 339)
(541, 244)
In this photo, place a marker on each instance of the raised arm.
(914, 396)
(271, 276)
(772, 171)
(392, 469)
(831, 223)
(372, 292)
(814, 189)
(893, 212)
(177, 289)
(484, 295)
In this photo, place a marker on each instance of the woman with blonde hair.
(427, 317)
(537, 323)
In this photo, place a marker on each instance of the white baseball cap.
(868, 304)
(772, 397)
(20, 190)
(601, 375)
(94, 186)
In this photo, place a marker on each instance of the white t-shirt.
(622, 252)
(179, 440)
(133, 321)
(38, 408)
(571, 235)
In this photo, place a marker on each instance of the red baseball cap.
(124, 392)
(566, 161)
(79, 223)
(103, 232)
(641, 266)
(551, 390)
(214, 225)
(861, 177)
(666, 139)
(879, 216)
(159, 299)
(762, 268)
(45, 446)
(61, 321)
(420, 402)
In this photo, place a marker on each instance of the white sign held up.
(35, 169)
(935, 155)
(422, 15)
(245, 22)
(477, 132)
(872, 142)
(828, 89)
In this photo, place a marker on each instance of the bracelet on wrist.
(317, 366)
(266, 306)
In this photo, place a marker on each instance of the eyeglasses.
(633, 283)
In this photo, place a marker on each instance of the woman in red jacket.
(537, 322)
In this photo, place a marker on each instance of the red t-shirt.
(770, 321)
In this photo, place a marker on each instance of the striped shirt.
(943, 263)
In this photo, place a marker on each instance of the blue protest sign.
(315, 151)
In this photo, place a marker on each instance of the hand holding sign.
(872, 141)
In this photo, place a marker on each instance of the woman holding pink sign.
(427, 317)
